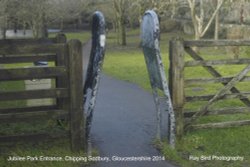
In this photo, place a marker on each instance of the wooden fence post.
(176, 82)
(77, 120)
(61, 38)
(62, 59)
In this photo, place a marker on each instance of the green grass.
(83, 36)
(50, 148)
(58, 148)
(127, 63)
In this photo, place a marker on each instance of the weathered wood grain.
(213, 80)
(216, 62)
(31, 73)
(176, 82)
(214, 73)
(77, 120)
(220, 125)
(31, 116)
(68, 91)
(241, 95)
(14, 48)
(221, 93)
(62, 58)
(34, 94)
(213, 43)
(27, 41)
(27, 109)
(222, 111)
(33, 137)
(24, 59)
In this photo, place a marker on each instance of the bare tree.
(67, 10)
(161, 7)
(38, 18)
(198, 17)
(36, 14)
(217, 21)
(3, 17)
(130, 10)
(32, 12)
(121, 9)
(241, 8)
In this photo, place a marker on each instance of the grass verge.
(127, 63)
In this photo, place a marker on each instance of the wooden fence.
(178, 83)
(68, 90)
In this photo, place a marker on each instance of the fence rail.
(68, 91)
(213, 43)
(185, 120)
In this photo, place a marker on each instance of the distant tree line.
(120, 14)
(38, 14)
(203, 14)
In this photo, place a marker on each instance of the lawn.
(127, 63)
(45, 148)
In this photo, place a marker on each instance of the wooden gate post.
(176, 82)
(61, 38)
(62, 60)
(77, 120)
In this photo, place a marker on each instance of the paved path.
(124, 124)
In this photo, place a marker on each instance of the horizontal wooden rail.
(213, 80)
(24, 59)
(27, 109)
(33, 137)
(34, 94)
(68, 94)
(22, 48)
(31, 116)
(216, 62)
(226, 96)
(28, 41)
(213, 43)
(229, 91)
(222, 111)
(31, 73)
(220, 125)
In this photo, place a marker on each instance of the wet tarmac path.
(124, 125)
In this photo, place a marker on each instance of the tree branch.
(213, 16)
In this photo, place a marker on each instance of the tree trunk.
(61, 24)
(39, 27)
(4, 27)
(197, 37)
(216, 28)
(44, 28)
(79, 22)
(15, 25)
(120, 14)
(24, 28)
(200, 29)
(123, 32)
(3, 31)
(118, 30)
(242, 14)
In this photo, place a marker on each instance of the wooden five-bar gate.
(68, 89)
(230, 90)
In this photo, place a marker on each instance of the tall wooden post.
(176, 82)
(77, 120)
(61, 38)
(62, 59)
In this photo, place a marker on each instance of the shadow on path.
(124, 124)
